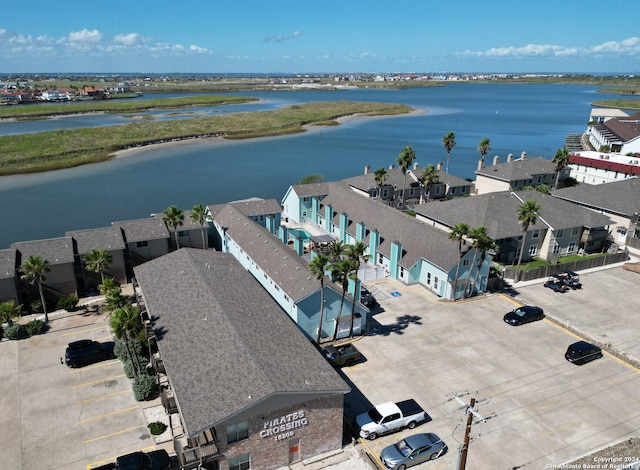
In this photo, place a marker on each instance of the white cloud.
(84, 37)
(627, 46)
(130, 39)
(283, 37)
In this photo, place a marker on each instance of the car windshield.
(520, 313)
(404, 448)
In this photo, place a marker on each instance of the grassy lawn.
(43, 151)
(540, 263)
(618, 104)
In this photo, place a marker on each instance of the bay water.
(515, 117)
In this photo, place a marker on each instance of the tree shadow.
(401, 324)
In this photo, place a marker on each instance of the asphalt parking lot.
(54, 417)
(543, 410)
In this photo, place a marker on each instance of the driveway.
(541, 410)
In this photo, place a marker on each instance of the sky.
(330, 36)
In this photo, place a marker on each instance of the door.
(294, 450)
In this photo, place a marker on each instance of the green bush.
(128, 369)
(145, 387)
(157, 427)
(35, 327)
(68, 303)
(36, 306)
(16, 331)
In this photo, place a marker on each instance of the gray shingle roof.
(53, 250)
(281, 263)
(7, 263)
(619, 197)
(520, 169)
(106, 238)
(313, 189)
(418, 240)
(225, 343)
(625, 128)
(497, 212)
(250, 207)
(138, 230)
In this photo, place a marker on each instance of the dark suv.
(582, 352)
(86, 351)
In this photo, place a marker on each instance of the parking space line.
(95, 366)
(82, 421)
(82, 402)
(98, 381)
(74, 333)
(89, 441)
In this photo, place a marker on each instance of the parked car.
(582, 352)
(154, 460)
(569, 279)
(412, 450)
(389, 417)
(346, 355)
(366, 298)
(555, 285)
(524, 314)
(85, 351)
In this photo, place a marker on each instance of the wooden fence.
(546, 271)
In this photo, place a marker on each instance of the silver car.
(413, 450)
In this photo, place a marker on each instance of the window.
(574, 230)
(143, 244)
(536, 234)
(428, 279)
(242, 462)
(556, 249)
(237, 432)
(435, 282)
(183, 233)
(571, 248)
(465, 262)
(519, 238)
(453, 190)
(533, 250)
(559, 233)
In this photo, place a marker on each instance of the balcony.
(194, 452)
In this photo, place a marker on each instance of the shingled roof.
(106, 238)
(7, 263)
(618, 197)
(521, 169)
(497, 212)
(287, 269)
(225, 343)
(138, 230)
(418, 239)
(54, 250)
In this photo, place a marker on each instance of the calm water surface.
(516, 118)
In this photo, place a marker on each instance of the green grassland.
(44, 151)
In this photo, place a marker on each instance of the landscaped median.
(43, 151)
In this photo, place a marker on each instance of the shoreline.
(130, 152)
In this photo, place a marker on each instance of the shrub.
(145, 387)
(128, 369)
(157, 427)
(16, 331)
(36, 306)
(68, 303)
(35, 327)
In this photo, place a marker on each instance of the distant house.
(603, 167)
(248, 389)
(190, 234)
(600, 115)
(514, 174)
(619, 134)
(619, 200)
(8, 276)
(145, 239)
(561, 229)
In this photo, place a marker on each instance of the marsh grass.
(44, 151)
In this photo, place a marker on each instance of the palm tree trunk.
(204, 242)
(524, 236)
(335, 331)
(321, 311)
(455, 280)
(44, 303)
(175, 236)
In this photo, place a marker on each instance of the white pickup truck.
(389, 417)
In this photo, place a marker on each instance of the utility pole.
(471, 412)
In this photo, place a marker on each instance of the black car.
(556, 285)
(582, 352)
(86, 351)
(569, 279)
(524, 314)
(155, 460)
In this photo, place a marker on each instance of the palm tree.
(336, 251)
(528, 214)
(174, 217)
(380, 177)
(108, 285)
(127, 325)
(477, 235)
(458, 232)
(356, 253)
(33, 271)
(484, 243)
(405, 160)
(430, 175)
(318, 267)
(340, 272)
(483, 147)
(98, 261)
(8, 311)
(561, 159)
(199, 215)
(449, 141)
